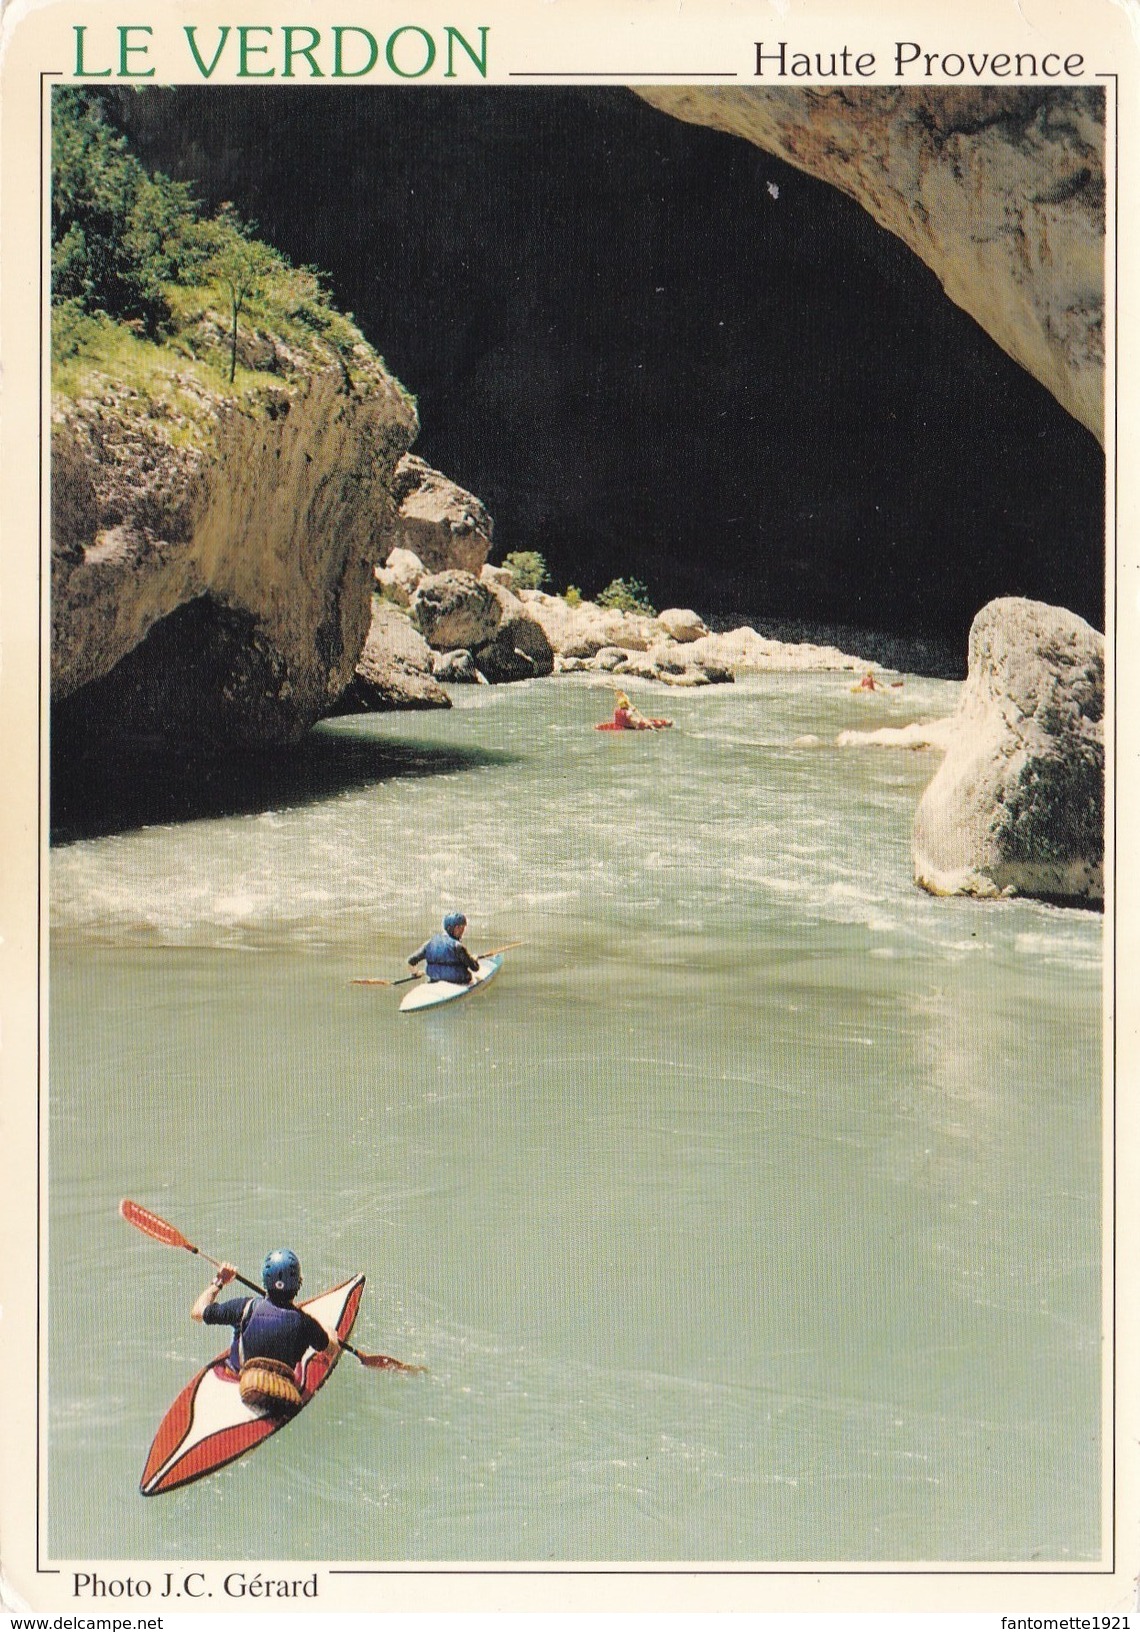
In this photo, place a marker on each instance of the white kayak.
(428, 994)
(209, 1425)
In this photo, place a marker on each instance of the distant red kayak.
(644, 725)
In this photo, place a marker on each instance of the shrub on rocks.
(627, 595)
(527, 569)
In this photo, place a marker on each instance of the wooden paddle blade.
(495, 950)
(385, 1362)
(371, 983)
(150, 1224)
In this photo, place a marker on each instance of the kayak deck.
(429, 994)
(644, 725)
(209, 1424)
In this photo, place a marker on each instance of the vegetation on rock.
(627, 595)
(527, 568)
(156, 295)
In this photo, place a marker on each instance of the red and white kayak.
(209, 1425)
(643, 725)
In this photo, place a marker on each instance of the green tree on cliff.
(240, 263)
(134, 259)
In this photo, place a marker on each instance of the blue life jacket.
(269, 1331)
(447, 959)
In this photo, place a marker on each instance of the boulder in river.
(519, 651)
(454, 610)
(395, 667)
(212, 552)
(1017, 805)
(457, 668)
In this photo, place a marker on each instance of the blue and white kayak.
(428, 994)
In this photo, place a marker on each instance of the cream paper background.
(565, 40)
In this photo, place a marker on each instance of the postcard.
(568, 581)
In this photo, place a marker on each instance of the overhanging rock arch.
(1001, 192)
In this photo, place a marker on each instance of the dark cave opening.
(655, 351)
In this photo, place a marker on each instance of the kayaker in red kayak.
(869, 683)
(627, 718)
(271, 1335)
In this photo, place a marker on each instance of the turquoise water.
(752, 1213)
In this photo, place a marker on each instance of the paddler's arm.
(418, 957)
(209, 1296)
(331, 1345)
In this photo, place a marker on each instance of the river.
(752, 1213)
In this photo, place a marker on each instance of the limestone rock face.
(744, 651)
(682, 625)
(439, 521)
(454, 610)
(211, 579)
(399, 577)
(1017, 805)
(583, 631)
(1000, 190)
(395, 668)
(675, 648)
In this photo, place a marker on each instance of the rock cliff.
(1000, 191)
(212, 553)
(395, 667)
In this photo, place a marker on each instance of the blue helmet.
(452, 920)
(281, 1275)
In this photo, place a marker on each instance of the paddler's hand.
(225, 1274)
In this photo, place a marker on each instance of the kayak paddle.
(417, 976)
(159, 1230)
(494, 952)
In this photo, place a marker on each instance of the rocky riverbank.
(484, 628)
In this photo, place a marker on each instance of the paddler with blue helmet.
(271, 1335)
(445, 955)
